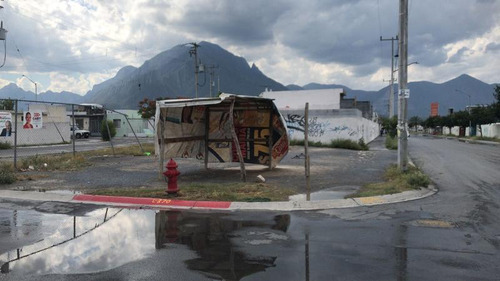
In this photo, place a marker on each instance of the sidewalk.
(157, 203)
(337, 171)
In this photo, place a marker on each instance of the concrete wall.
(55, 127)
(296, 100)
(491, 130)
(328, 125)
(140, 126)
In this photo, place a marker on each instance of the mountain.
(12, 91)
(171, 74)
(451, 94)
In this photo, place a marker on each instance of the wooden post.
(306, 152)
(207, 131)
(237, 142)
(161, 136)
(270, 139)
(109, 132)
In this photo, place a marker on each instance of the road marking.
(371, 200)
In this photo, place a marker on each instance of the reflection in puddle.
(101, 240)
(211, 237)
(108, 238)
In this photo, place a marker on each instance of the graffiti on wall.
(297, 122)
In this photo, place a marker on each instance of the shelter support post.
(306, 152)
(207, 131)
(236, 142)
(161, 136)
(270, 143)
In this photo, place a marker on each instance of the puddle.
(105, 239)
(325, 194)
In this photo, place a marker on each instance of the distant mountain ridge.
(450, 94)
(171, 74)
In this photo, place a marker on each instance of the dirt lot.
(334, 169)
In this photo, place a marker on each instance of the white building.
(327, 119)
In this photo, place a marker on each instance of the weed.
(7, 175)
(391, 142)
(246, 192)
(395, 181)
(337, 143)
(5, 145)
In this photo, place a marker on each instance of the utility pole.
(404, 92)
(194, 51)
(211, 71)
(391, 90)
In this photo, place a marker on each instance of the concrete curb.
(478, 142)
(159, 203)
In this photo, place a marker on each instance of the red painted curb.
(152, 201)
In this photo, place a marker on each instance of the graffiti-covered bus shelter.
(229, 128)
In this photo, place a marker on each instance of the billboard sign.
(32, 119)
(5, 124)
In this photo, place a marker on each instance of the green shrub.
(338, 143)
(5, 145)
(418, 179)
(391, 142)
(104, 130)
(7, 175)
(348, 144)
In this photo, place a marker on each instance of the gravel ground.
(332, 169)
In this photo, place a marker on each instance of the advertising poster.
(5, 124)
(32, 119)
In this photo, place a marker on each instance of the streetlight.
(414, 62)
(36, 88)
(468, 110)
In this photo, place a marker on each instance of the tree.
(390, 125)
(448, 121)
(496, 105)
(7, 104)
(104, 130)
(462, 118)
(147, 107)
(482, 115)
(415, 121)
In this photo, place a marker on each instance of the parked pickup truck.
(79, 133)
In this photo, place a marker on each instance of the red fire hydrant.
(171, 173)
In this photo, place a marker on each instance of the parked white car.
(79, 133)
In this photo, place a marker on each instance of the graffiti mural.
(324, 127)
(297, 122)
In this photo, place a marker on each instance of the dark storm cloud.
(332, 32)
(243, 22)
(348, 32)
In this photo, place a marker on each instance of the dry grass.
(244, 192)
(396, 181)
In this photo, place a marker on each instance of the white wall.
(55, 127)
(491, 130)
(328, 125)
(296, 100)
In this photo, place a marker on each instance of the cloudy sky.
(72, 45)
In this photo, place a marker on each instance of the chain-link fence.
(31, 128)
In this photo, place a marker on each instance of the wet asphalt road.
(453, 235)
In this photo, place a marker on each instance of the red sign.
(434, 109)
